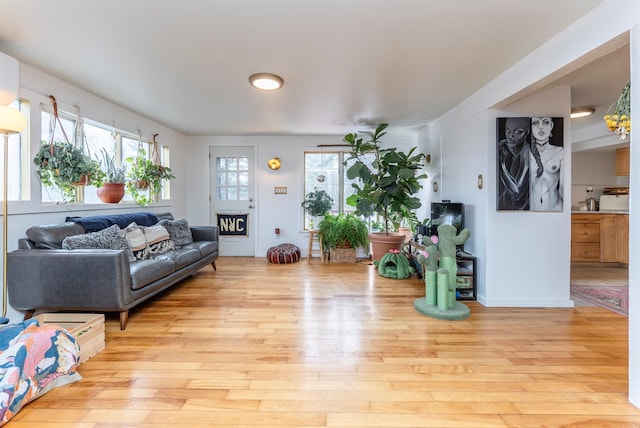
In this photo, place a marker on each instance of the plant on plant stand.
(112, 189)
(341, 235)
(317, 204)
(384, 186)
(145, 177)
(64, 167)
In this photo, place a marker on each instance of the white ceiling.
(346, 63)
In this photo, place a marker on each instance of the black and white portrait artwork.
(530, 163)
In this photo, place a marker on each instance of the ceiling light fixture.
(266, 81)
(582, 112)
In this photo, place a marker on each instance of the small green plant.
(317, 203)
(64, 166)
(113, 172)
(145, 174)
(343, 230)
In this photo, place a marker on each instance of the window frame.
(80, 124)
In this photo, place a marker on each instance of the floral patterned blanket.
(34, 359)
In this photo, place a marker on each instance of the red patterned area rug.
(614, 298)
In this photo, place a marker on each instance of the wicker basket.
(342, 255)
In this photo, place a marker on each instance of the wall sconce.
(274, 163)
(428, 158)
(435, 186)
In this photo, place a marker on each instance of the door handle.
(250, 206)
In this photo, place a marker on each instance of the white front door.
(233, 199)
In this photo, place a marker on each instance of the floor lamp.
(11, 122)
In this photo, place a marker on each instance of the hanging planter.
(618, 117)
(145, 176)
(63, 166)
(142, 184)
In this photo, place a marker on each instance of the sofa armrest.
(205, 233)
(68, 279)
(26, 244)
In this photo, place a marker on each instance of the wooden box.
(87, 329)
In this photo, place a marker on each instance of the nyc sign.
(233, 224)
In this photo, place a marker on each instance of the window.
(18, 149)
(232, 183)
(94, 138)
(98, 137)
(166, 161)
(325, 171)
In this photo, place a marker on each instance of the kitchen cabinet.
(623, 160)
(614, 238)
(585, 238)
(598, 237)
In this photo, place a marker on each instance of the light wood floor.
(311, 345)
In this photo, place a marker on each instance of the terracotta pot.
(142, 184)
(111, 193)
(382, 242)
(407, 233)
(84, 180)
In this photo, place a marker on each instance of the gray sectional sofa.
(41, 275)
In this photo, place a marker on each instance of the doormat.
(614, 298)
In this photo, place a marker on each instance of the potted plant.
(112, 189)
(384, 186)
(145, 177)
(65, 167)
(317, 204)
(341, 235)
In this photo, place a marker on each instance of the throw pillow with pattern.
(110, 238)
(137, 243)
(179, 231)
(158, 239)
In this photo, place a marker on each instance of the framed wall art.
(530, 160)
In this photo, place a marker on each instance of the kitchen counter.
(602, 212)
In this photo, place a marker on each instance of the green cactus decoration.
(440, 266)
(394, 265)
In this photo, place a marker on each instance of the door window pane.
(233, 178)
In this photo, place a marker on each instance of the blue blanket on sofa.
(99, 222)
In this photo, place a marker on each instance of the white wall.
(596, 169)
(528, 253)
(283, 211)
(544, 263)
(463, 158)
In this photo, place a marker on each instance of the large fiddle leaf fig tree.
(387, 184)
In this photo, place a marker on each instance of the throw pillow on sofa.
(136, 241)
(158, 239)
(110, 238)
(179, 231)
